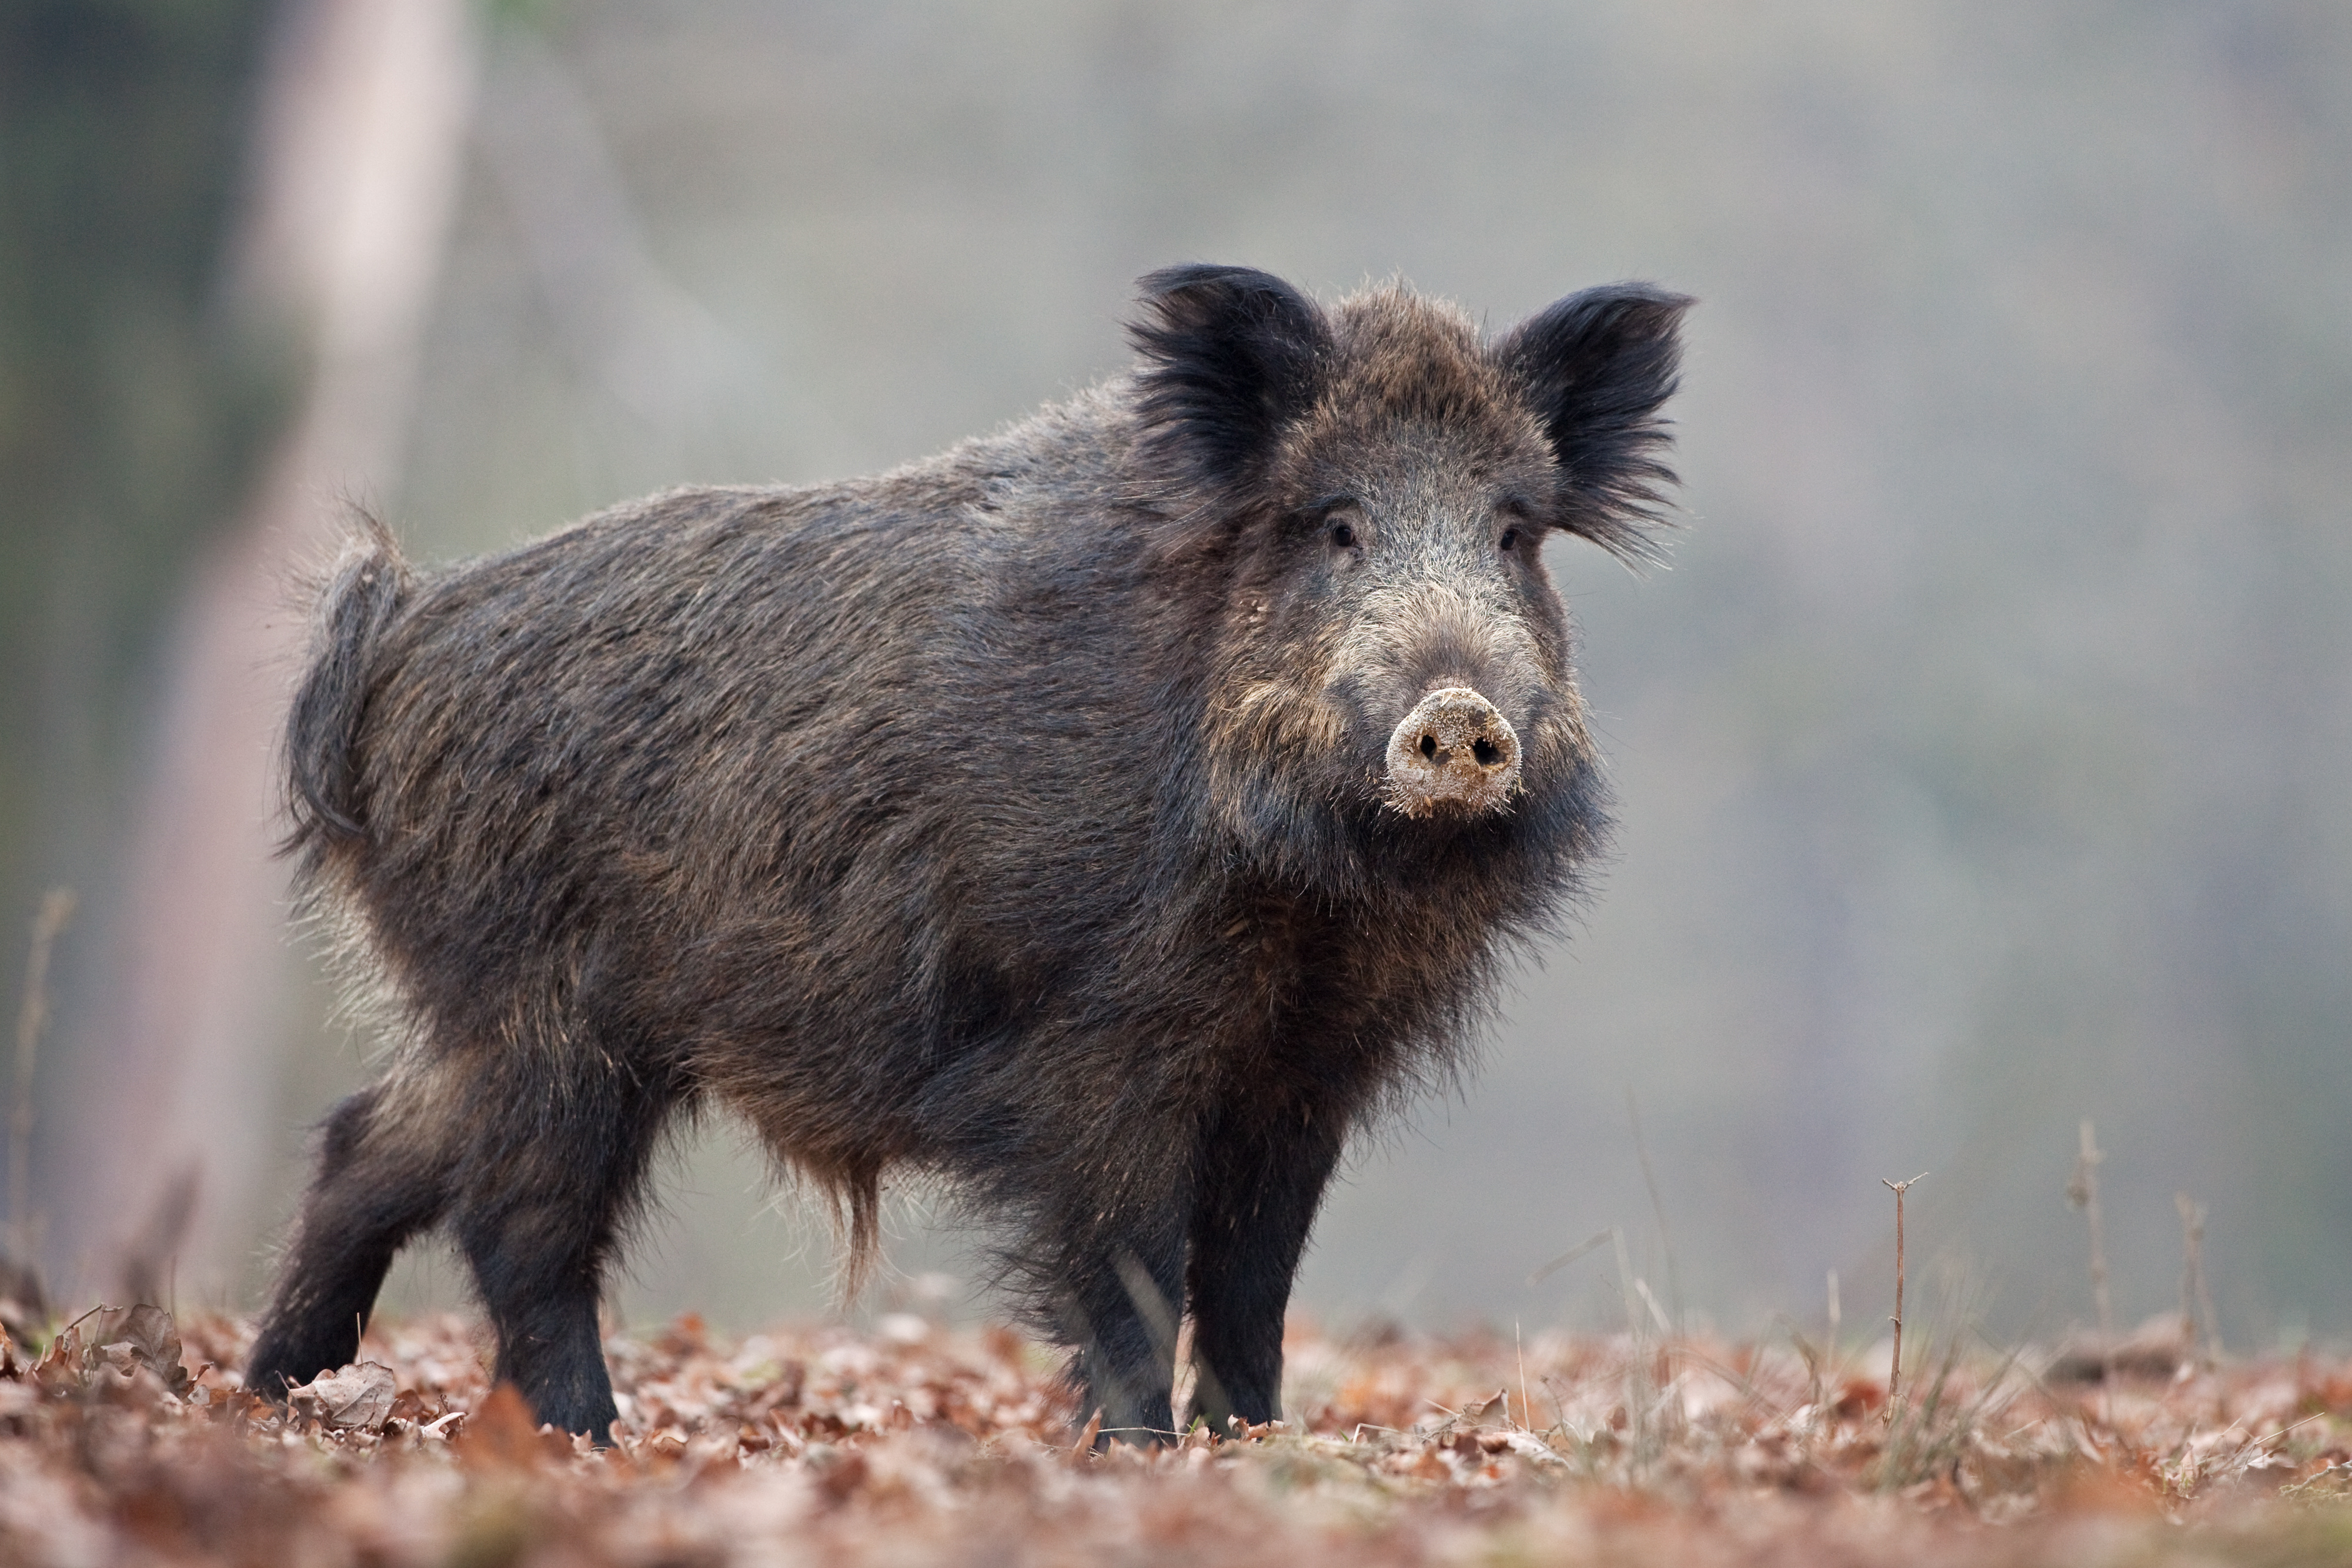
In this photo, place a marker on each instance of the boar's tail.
(370, 584)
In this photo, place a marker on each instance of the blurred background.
(1982, 754)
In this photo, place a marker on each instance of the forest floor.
(125, 1439)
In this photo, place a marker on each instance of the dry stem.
(2083, 1193)
(1894, 1371)
(2196, 1299)
(32, 1021)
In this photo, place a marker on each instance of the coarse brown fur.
(1015, 817)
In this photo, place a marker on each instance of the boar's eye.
(1333, 516)
(1518, 514)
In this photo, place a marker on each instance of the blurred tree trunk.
(355, 166)
(131, 423)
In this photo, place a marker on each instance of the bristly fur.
(1599, 365)
(1230, 359)
(1015, 820)
(369, 584)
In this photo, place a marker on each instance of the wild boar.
(1104, 818)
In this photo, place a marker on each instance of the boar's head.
(1370, 487)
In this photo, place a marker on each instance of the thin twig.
(1657, 1313)
(31, 1022)
(1526, 1411)
(1830, 1349)
(1637, 1375)
(2196, 1299)
(2083, 1193)
(1810, 1357)
(1597, 1240)
(1895, 1370)
(1657, 1207)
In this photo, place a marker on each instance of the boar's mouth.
(1453, 752)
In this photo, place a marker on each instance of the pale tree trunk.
(356, 162)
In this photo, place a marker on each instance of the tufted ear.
(1231, 355)
(1596, 366)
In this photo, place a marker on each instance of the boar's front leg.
(1121, 1283)
(1262, 1178)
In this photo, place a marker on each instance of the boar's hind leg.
(1261, 1182)
(540, 1202)
(380, 1180)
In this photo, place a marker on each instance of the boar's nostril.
(1454, 749)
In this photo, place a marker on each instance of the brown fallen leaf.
(1485, 1407)
(59, 1369)
(501, 1434)
(24, 1305)
(355, 1398)
(116, 1340)
(142, 1335)
(843, 1471)
(1084, 1448)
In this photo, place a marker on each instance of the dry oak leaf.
(355, 1398)
(143, 1337)
(116, 1339)
(502, 1433)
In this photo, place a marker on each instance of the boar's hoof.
(1453, 750)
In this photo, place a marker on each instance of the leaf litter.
(128, 1439)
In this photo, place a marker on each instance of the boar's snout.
(1454, 750)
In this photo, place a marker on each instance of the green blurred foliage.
(132, 408)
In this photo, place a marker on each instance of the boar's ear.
(1596, 366)
(1231, 356)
